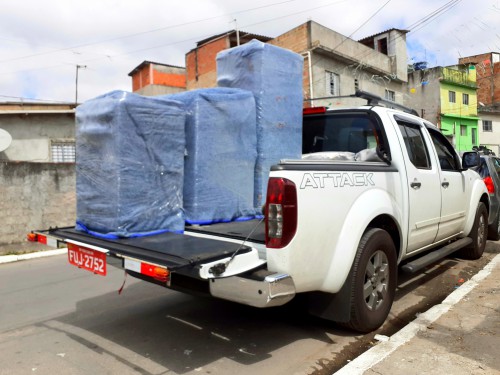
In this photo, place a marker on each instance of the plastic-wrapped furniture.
(129, 165)
(220, 154)
(274, 76)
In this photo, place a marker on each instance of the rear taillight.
(281, 212)
(488, 181)
(314, 110)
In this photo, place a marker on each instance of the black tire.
(494, 229)
(372, 281)
(479, 234)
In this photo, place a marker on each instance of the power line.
(363, 24)
(143, 32)
(447, 7)
(424, 21)
(198, 37)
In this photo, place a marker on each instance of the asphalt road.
(57, 319)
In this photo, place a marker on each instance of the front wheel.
(372, 281)
(478, 234)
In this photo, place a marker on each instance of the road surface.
(58, 319)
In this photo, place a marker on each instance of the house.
(334, 64)
(151, 78)
(201, 69)
(446, 96)
(37, 168)
(488, 96)
(40, 132)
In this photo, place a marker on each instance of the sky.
(46, 45)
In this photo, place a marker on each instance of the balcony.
(458, 77)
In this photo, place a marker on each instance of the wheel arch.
(480, 197)
(383, 213)
(390, 225)
(338, 306)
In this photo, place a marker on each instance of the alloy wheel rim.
(481, 230)
(375, 288)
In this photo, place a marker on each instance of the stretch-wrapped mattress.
(220, 154)
(129, 165)
(274, 76)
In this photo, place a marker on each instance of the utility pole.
(237, 32)
(76, 83)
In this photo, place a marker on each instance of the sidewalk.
(26, 250)
(459, 336)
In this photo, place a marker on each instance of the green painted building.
(447, 97)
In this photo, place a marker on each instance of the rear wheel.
(479, 234)
(372, 281)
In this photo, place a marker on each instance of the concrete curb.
(38, 254)
(380, 352)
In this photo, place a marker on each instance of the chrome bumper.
(274, 290)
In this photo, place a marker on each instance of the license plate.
(88, 259)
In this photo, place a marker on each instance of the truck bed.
(173, 250)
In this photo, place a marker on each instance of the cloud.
(41, 43)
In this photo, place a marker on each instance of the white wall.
(490, 139)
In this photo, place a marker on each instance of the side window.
(415, 145)
(447, 156)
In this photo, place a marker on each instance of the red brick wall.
(169, 79)
(136, 82)
(201, 64)
(488, 77)
(496, 83)
(294, 40)
(141, 78)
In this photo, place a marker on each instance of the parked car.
(489, 170)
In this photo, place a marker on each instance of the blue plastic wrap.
(274, 76)
(129, 165)
(221, 152)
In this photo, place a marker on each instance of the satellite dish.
(5, 140)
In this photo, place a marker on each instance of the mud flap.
(335, 307)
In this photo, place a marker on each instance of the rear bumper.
(273, 290)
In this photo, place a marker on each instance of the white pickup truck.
(378, 190)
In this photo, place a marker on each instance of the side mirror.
(470, 160)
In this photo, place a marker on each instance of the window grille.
(332, 84)
(63, 152)
(390, 95)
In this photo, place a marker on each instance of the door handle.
(445, 184)
(416, 185)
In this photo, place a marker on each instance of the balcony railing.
(458, 77)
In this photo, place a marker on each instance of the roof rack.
(376, 100)
(372, 100)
